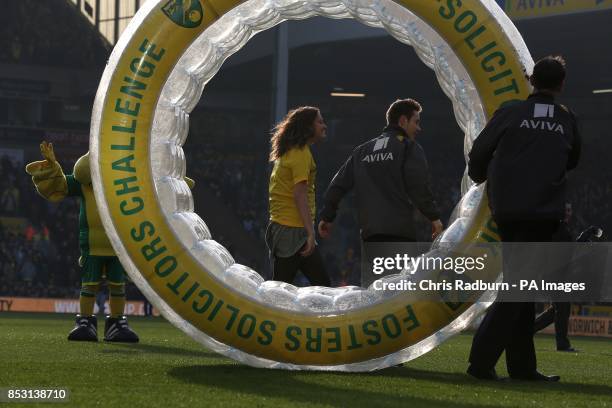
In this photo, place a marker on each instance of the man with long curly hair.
(290, 235)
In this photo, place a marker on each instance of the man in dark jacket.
(524, 153)
(390, 177)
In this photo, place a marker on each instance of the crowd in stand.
(29, 35)
(239, 179)
(39, 248)
(591, 204)
(38, 239)
(39, 258)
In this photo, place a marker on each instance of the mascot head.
(81, 170)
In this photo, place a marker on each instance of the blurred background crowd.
(52, 58)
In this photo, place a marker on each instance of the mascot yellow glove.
(47, 175)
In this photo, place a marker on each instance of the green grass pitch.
(168, 369)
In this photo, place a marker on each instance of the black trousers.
(558, 313)
(311, 266)
(509, 326)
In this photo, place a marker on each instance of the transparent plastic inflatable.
(154, 78)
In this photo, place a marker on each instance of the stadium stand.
(226, 152)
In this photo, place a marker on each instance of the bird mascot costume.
(98, 260)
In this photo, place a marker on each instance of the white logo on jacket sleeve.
(381, 144)
(542, 125)
(377, 157)
(381, 156)
(542, 110)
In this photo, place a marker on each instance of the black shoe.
(568, 350)
(483, 374)
(116, 329)
(536, 376)
(86, 329)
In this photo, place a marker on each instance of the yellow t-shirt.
(291, 168)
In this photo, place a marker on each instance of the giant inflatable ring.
(156, 75)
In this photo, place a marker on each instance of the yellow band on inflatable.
(197, 296)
